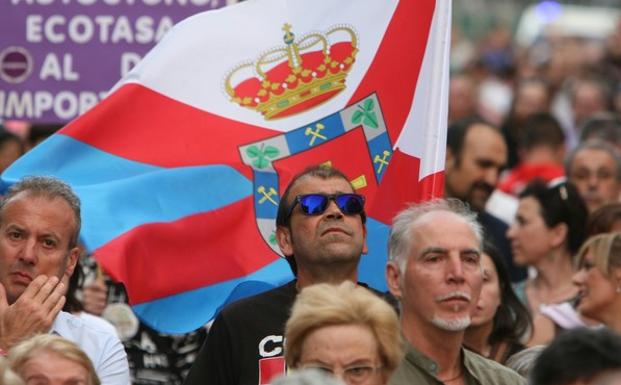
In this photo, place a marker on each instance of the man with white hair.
(434, 270)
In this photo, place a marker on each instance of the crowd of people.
(513, 276)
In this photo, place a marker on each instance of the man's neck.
(329, 274)
(444, 347)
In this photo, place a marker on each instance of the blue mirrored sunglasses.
(316, 204)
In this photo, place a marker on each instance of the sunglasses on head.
(316, 204)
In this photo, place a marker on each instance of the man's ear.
(393, 279)
(72, 260)
(365, 248)
(283, 236)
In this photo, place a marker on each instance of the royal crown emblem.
(300, 75)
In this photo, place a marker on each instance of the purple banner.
(58, 58)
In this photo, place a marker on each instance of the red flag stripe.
(139, 124)
(153, 254)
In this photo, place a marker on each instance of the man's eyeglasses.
(316, 204)
(352, 375)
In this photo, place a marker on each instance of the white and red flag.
(181, 167)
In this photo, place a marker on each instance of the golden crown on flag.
(296, 77)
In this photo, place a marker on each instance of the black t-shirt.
(245, 343)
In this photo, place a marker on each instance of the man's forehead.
(309, 184)
(481, 132)
(45, 204)
(28, 195)
(441, 225)
(592, 155)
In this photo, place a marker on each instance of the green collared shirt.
(419, 369)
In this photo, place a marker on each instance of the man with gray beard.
(434, 270)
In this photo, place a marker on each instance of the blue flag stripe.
(75, 162)
(118, 195)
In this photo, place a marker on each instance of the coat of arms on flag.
(364, 115)
(181, 167)
(293, 78)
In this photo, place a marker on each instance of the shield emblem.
(354, 140)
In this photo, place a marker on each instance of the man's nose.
(593, 181)
(455, 269)
(28, 252)
(491, 176)
(333, 211)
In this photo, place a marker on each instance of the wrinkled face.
(331, 237)
(490, 297)
(594, 173)
(530, 238)
(350, 352)
(473, 176)
(442, 278)
(597, 291)
(35, 232)
(47, 368)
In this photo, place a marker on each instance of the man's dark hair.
(49, 187)
(286, 201)
(457, 132)
(604, 126)
(542, 129)
(578, 354)
(560, 203)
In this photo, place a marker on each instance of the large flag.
(180, 169)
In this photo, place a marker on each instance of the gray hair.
(49, 187)
(597, 145)
(399, 242)
(523, 361)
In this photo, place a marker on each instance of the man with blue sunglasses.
(321, 231)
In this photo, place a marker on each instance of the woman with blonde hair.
(51, 359)
(599, 279)
(346, 331)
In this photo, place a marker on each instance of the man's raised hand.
(33, 312)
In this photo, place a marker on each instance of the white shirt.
(100, 345)
(97, 322)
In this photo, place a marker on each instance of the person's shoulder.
(85, 331)
(273, 297)
(385, 295)
(489, 371)
(97, 324)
